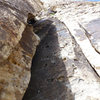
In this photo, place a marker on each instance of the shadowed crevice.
(48, 72)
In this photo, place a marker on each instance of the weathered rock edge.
(18, 44)
(13, 17)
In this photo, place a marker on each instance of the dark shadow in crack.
(48, 71)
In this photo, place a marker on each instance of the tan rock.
(80, 57)
(83, 41)
(18, 44)
(13, 16)
(15, 71)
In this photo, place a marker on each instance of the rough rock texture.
(13, 17)
(66, 65)
(83, 23)
(15, 71)
(18, 44)
(60, 71)
(82, 20)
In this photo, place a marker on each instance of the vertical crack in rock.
(60, 71)
(49, 74)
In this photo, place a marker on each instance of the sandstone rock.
(90, 53)
(15, 71)
(63, 68)
(18, 44)
(13, 16)
(48, 3)
(87, 37)
(65, 71)
(86, 31)
(62, 71)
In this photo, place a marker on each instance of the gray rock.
(60, 71)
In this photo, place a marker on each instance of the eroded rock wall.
(12, 22)
(69, 57)
(18, 44)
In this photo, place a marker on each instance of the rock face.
(66, 65)
(12, 23)
(18, 44)
(83, 24)
(82, 20)
(15, 71)
(68, 57)
(62, 69)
